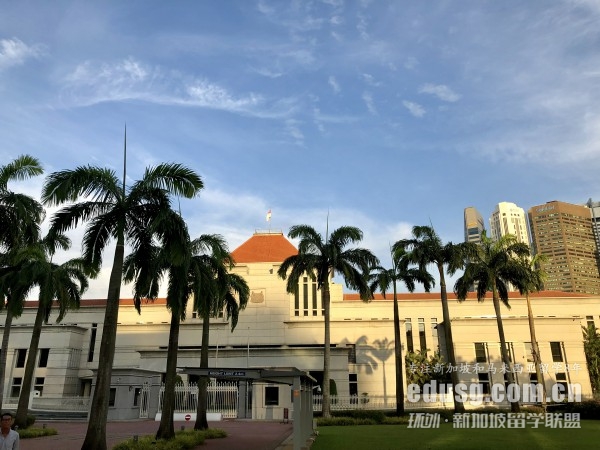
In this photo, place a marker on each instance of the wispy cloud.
(14, 52)
(91, 83)
(411, 62)
(370, 80)
(292, 127)
(441, 91)
(334, 84)
(414, 108)
(368, 99)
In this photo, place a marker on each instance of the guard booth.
(261, 404)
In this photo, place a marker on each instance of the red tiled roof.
(102, 302)
(264, 247)
(404, 296)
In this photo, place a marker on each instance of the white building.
(508, 218)
(278, 329)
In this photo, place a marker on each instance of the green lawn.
(392, 437)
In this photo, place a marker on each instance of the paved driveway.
(241, 434)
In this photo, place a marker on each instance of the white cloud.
(294, 131)
(334, 84)
(441, 91)
(368, 98)
(410, 63)
(14, 52)
(414, 108)
(370, 80)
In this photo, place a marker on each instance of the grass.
(388, 437)
(186, 439)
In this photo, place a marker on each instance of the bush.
(344, 421)
(375, 416)
(589, 409)
(31, 432)
(186, 439)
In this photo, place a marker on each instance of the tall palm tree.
(320, 259)
(64, 283)
(534, 282)
(114, 211)
(382, 279)
(492, 266)
(24, 214)
(215, 289)
(153, 260)
(426, 248)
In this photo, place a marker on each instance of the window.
(481, 352)
(136, 396)
(271, 395)
(484, 383)
(434, 333)
(561, 378)
(533, 378)
(409, 336)
(39, 385)
(422, 341)
(92, 342)
(43, 362)
(112, 396)
(16, 387)
(352, 354)
(590, 321)
(297, 301)
(353, 383)
(555, 348)
(21, 356)
(305, 296)
(511, 351)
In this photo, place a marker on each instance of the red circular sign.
(188, 417)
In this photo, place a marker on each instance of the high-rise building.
(595, 210)
(508, 218)
(563, 233)
(474, 225)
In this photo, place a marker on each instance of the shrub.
(344, 421)
(186, 439)
(32, 432)
(589, 409)
(375, 416)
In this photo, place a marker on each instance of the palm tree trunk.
(537, 359)
(514, 406)
(22, 408)
(166, 429)
(459, 407)
(398, 358)
(201, 421)
(326, 350)
(4, 350)
(95, 438)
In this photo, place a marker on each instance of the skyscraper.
(474, 225)
(563, 233)
(508, 218)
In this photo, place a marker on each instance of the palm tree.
(426, 248)
(24, 214)
(215, 289)
(492, 266)
(61, 282)
(151, 261)
(114, 211)
(534, 282)
(382, 279)
(320, 259)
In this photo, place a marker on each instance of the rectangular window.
(271, 395)
(136, 396)
(533, 378)
(314, 298)
(590, 321)
(305, 295)
(112, 396)
(92, 342)
(21, 357)
(409, 337)
(481, 352)
(297, 301)
(352, 354)
(510, 351)
(422, 341)
(39, 385)
(16, 387)
(561, 378)
(556, 350)
(353, 383)
(43, 362)
(484, 382)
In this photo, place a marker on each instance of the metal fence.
(222, 398)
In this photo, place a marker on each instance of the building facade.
(278, 329)
(508, 218)
(563, 233)
(474, 225)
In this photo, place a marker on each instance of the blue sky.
(386, 114)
